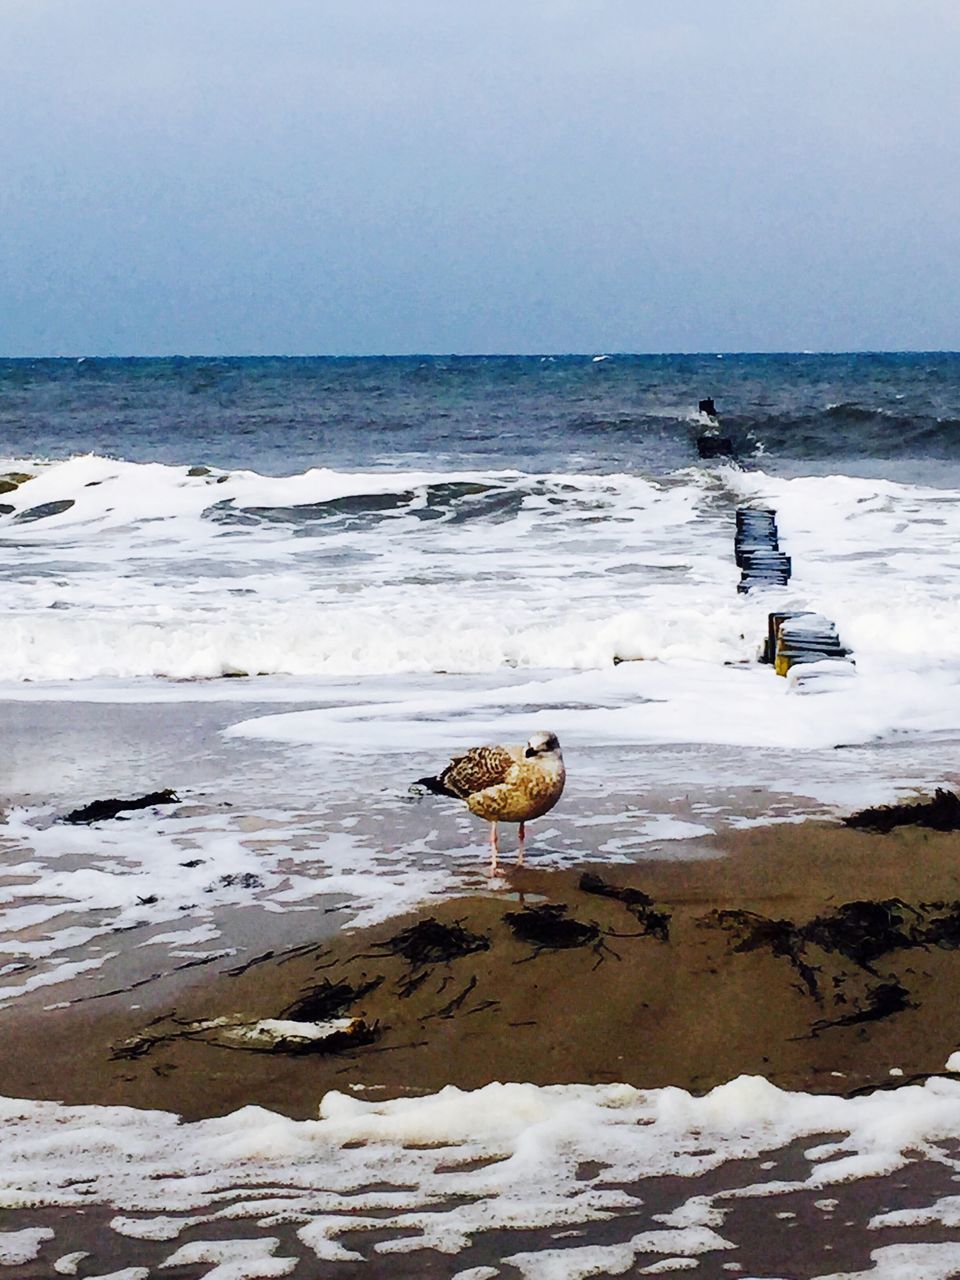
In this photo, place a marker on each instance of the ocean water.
(287, 587)
(535, 413)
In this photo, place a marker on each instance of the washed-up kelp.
(859, 931)
(639, 904)
(101, 810)
(834, 954)
(940, 813)
(431, 942)
(328, 1000)
(549, 926)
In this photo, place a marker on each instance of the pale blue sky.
(303, 176)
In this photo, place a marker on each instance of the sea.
(287, 587)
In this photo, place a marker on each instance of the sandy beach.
(820, 957)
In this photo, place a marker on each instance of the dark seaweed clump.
(101, 810)
(655, 924)
(863, 930)
(879, 1002)
(857, 933)
(860, 931)
(236, 880)
(549, 926)
(432, 942)
(941, 813)
(328, 1000)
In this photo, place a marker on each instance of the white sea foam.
(248, 573)
(76, 898)
(22, 1246)
(442, 1171)
(649, 702)
(237, 572)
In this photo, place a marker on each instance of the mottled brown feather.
(478, 769)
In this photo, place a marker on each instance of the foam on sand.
(370, 1179)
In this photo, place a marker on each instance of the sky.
(397, 176)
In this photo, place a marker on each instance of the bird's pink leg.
(494, 848)
(521, 834)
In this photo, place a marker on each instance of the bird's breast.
(528, 795)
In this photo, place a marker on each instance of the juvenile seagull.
(505, 784)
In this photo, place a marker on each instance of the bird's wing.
(479, 768)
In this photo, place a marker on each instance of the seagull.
(505, 784)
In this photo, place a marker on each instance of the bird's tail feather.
(437, 785)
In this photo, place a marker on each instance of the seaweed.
(328, 1000)
(864, 930)
(880, 1002)
(861, 932)
(782, 937)
(939, 813)
(236, 880)
(101, 810)
(655, 924)
(942, 930)
(549, 927)
(137, 1047)
(432, 942)
(453, 1006)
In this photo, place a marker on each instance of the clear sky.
(311, 176)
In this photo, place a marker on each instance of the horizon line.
(81, 357)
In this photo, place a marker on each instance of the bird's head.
(542, 744)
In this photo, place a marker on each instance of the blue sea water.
(896, 414)
(195, 518)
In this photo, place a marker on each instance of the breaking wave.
(124, 570)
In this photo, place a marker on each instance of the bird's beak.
(529, 752)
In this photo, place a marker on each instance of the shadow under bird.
(505, 784)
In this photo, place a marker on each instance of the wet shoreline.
(822, 958)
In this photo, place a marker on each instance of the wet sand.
(792, 1235)
(685, 972)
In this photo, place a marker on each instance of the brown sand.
(676, 992)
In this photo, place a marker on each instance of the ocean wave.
(848, 410)
(852, 431)
(153, 571)
(433, 632)
(95, 491)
